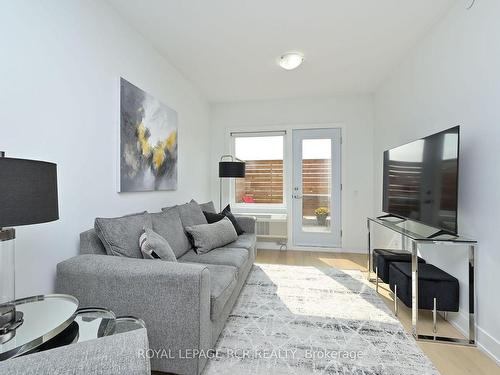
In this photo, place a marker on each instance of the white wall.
(453, 78)
(59, 70)
(355, 113)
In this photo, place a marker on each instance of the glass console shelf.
(416, 235)
(418, 232)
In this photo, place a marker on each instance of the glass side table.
(44, 318)
(95, 322)
(127, 324)
(55, 320)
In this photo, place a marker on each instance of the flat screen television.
(421, 180)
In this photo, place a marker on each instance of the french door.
(316, 189)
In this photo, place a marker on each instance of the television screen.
(421, 180)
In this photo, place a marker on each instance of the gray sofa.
(184, 304)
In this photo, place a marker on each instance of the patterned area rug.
(308, 320)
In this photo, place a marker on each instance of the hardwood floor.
(448, 359)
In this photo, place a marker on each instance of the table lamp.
(233, 168)
(28, 195)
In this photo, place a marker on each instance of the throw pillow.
(213, 217)
(227, 213)
(190, 214)
(154, 246)
(208, 207)
(168, 225)
(210, 236)
(119, 235)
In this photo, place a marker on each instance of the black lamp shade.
(231, 169)
(28, 192)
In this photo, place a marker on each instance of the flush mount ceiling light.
(291, 60)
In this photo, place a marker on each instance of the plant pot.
(321, 219)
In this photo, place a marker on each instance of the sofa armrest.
(172, 298)
(247, 223)
(124, 353)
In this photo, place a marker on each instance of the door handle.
(297, 196)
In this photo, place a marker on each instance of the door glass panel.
(316, 185)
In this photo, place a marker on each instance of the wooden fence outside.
(264, 183)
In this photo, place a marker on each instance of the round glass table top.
(44, 318)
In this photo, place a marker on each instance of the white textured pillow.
(154, 246)
(210, 236)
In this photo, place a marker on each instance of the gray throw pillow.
(154, 246)
(119, 235)
(210, 236)
(191, 214)
(168, 225)
(208, 207)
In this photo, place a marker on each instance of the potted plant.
(321, 215)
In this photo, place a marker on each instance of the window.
(263, 182)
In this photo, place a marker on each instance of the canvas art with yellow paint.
(148, 141)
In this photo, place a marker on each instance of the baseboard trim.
(485, 342)
(273, 246)
(488, 344)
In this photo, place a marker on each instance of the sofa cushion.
(90, 243)
(223, 280)
(191, 214)
(120, 235)
(236, 257)
(245, 241)
(168, 225)
(208, 207)
(210, 236)
(154, 246)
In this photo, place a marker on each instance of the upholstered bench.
(437, 289)
(382, 258)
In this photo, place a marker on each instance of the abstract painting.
(148, 141)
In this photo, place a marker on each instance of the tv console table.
(399, 226)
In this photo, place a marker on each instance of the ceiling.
(228, 48)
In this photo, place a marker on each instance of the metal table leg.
(369, 250)
(472, 295)
(414, 288)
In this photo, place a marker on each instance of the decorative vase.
(321, 219)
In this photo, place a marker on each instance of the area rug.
(310, 320)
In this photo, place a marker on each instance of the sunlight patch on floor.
(327, 293)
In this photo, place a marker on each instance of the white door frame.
(333, 238)
(228, 148)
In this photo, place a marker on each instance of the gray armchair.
(170, 297)
(124, 353)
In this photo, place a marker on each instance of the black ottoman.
(382, 258)
(433, 283)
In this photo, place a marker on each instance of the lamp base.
(10, 320)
